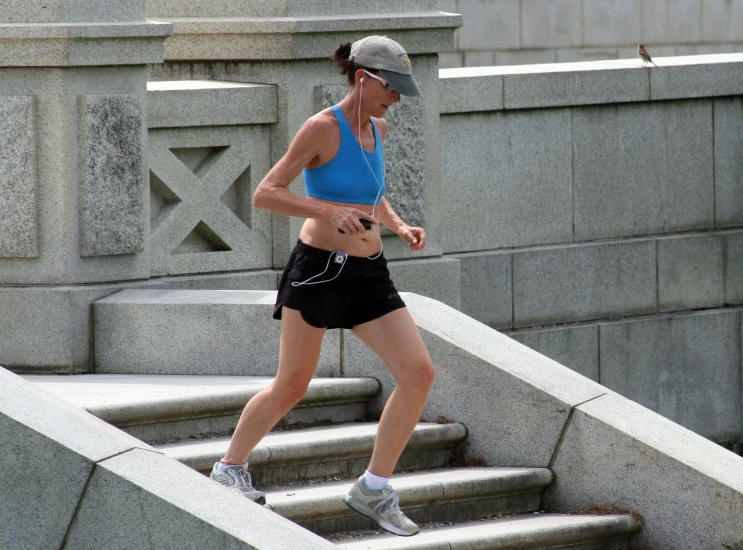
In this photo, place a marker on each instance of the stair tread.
(122, 398)
(508, 533)
(314, 443)
(422, 487)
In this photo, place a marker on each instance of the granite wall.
(596, 213)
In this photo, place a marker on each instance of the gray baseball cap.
(389, 58)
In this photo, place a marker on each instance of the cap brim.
(403, 83)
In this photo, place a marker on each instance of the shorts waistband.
(350, 259)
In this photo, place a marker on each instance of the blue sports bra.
(347, 178)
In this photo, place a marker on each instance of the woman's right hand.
(347, 220)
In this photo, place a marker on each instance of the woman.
(336, 276)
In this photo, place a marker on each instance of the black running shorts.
(360, 290)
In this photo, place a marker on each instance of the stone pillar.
(287, 43)
(73, 174)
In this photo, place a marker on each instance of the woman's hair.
(345, 65)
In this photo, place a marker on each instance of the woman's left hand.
(416, 236)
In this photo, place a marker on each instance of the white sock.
(224, 463)
(375, 483)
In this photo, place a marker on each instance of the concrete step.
(319, 454)
(577, 532)
(439, 495)
(166, 408)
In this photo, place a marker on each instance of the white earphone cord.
(374, 207)
(363, 154)
(307, 281)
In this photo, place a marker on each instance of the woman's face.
(377, 94)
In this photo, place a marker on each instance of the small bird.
(644, 55)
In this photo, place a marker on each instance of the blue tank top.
(347, 178)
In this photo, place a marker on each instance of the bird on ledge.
(644, 55)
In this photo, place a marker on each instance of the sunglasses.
(387, 85)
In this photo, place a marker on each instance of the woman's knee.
(420, 374)
(289, 393)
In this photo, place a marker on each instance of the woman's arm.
(416, 236)
(306, 148)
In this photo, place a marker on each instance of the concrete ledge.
(63, 444)
(93, 486)
(145, 500)
(189, 331)
(589, 83)
(617, 453)
(209, 103)
(516, 404)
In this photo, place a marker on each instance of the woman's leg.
(396, 339)
(299, 352)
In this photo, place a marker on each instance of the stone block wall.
(604, 228)
(517, 32)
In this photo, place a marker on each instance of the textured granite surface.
(19, 219)
(112, 200)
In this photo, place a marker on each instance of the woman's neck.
(349, 105)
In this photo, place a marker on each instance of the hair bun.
(341, 58)
(342, 52)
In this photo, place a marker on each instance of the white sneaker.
(382, 506)
(237, 478)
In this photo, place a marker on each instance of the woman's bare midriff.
(323, 234)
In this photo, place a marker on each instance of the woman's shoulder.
(319, 127)
(321, 124)
(381, 126)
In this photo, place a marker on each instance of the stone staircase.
(306, 465)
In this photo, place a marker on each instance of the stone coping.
(281, 8)
(82, 44)
(136, 29)
(473, 89)
(190, 103)
(315, 24)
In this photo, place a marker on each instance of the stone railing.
(607, 452)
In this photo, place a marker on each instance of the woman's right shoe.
(237, 478)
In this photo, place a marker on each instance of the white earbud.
(362, 79)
